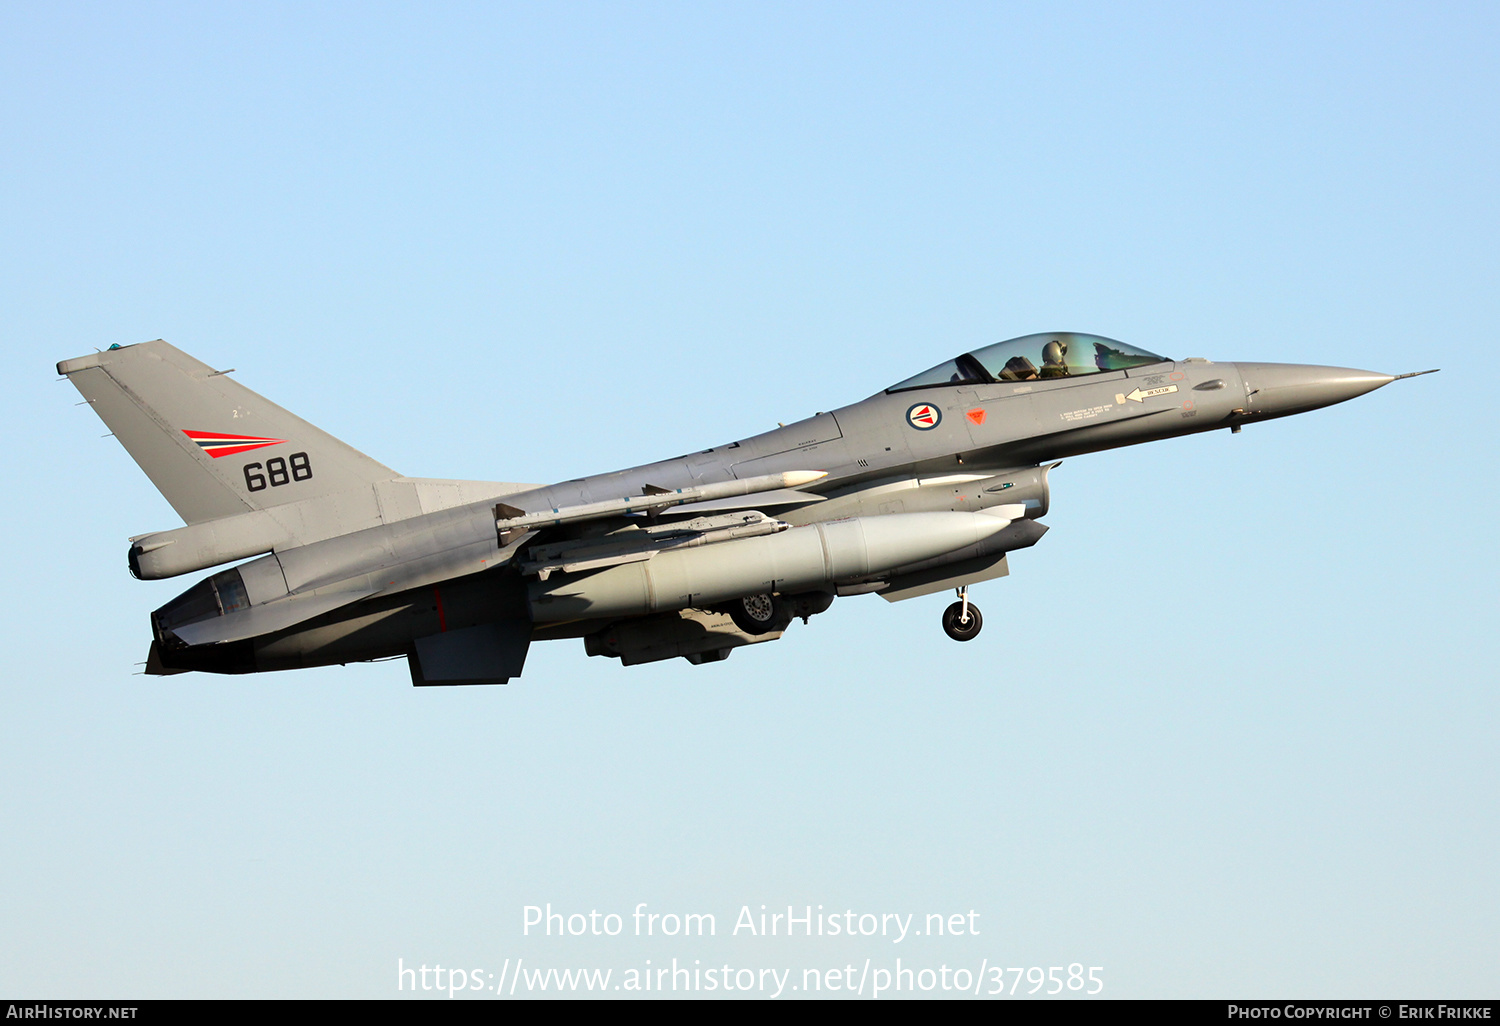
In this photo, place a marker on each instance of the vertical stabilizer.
(212, 447)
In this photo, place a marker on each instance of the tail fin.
(212, 447)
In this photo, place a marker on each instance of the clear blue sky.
(1231, 727)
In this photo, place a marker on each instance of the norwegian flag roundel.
(924, 416)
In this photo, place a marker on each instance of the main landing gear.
(961, 621)
(760, 614)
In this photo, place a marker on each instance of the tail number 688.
(278, 471)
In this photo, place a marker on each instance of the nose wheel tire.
(957, 627)
(760, 614)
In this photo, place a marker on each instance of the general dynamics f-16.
(924, 487)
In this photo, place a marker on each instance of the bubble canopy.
(1057, 354)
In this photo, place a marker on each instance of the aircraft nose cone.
(1276, 389)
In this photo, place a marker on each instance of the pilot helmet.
(1053, 352)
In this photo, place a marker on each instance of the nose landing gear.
(961, 621)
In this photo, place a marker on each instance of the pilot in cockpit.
(1053, 356)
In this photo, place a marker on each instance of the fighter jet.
(926, 486)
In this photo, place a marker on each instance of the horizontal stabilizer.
(266, 619)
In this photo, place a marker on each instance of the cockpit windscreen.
(1034, 358)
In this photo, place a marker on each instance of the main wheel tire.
(758, 614)
(958, 629)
